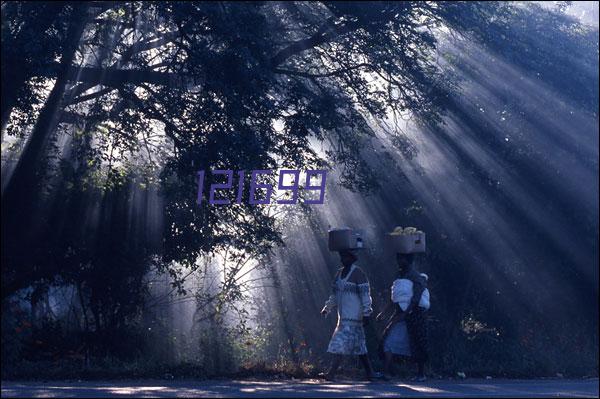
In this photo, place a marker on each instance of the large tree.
(213, 77)
(148, 93)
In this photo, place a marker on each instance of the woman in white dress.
(351, 296)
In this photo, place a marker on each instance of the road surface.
(302, 388)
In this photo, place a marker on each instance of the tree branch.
(322, 75)
(91, 96)
(328, 31)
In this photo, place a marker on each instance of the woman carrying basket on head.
(406, 332)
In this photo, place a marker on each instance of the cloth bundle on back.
(402, 292)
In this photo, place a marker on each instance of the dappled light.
(476, 122)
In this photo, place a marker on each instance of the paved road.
(303, 388)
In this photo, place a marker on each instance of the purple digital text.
(293, 187)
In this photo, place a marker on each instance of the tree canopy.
(106, 104)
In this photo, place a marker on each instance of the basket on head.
(345, 238)
(406, 241)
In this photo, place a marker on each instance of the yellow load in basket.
(406, 240)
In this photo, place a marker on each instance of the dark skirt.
(416, 323)
(396, 340)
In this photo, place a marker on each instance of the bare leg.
(335, 364)
(421, 370)
(387, 365)
(364, 359)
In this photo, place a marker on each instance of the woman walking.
(406, 333)
(351, 296)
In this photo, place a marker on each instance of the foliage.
(122, 103)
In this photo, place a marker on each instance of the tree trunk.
(15, 73)
(22, 191)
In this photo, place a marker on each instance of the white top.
(353, 301)
(402, 291)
